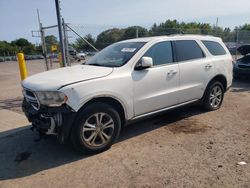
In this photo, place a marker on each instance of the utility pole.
(43, 44)
(216, 25)
(136, 32)
(236, 42)
(59, 23)
(66, 42)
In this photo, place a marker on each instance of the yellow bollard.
(22, 66)
(60, 59)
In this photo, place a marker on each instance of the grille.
(30, 97)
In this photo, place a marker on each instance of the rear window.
(188, 50)
(214, 47)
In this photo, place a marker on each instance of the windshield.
(116, 54)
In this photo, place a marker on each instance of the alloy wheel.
(215, 97)
(98, 129)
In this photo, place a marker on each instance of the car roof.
(175, 37)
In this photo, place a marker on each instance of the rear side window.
(214, 47)
(188, 50)
(161, 53)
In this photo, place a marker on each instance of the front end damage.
(49, 120)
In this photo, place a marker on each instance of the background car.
(81, 56)
(91, 53)
(72, 51)
(241, 68)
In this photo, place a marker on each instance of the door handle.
(171, 72)
(208, 66)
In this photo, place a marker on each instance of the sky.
(19, 17)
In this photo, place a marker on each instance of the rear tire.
(96, 128)
(214, 96)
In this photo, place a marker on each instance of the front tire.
(214, 96)
(96, 128)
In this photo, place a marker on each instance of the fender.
(96, 96)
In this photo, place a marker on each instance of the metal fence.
(232, 39)
(52, 47)
(50, 39)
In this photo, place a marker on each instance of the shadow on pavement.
(42, 154)
(164, 119)
(23, 154)
(4, 134)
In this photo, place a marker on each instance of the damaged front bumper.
(50, 120)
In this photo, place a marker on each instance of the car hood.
(244, 50)
(55, 79)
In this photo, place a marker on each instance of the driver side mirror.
(146, 62)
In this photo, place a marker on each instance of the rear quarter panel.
(224, 65)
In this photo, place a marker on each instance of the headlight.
(51, 98)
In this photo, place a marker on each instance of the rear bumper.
(51, 120)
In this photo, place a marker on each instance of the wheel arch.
(221, 78)
(116, 103)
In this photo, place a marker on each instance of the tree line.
(117, 34)
(169, 27)
(18, 45)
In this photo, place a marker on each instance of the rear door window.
(214, 47)
(188, 50)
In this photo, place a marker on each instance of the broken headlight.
(51, 98)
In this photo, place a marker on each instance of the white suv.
(127, 80)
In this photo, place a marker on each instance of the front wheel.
(214, 96)
(96, 128)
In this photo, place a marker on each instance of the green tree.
(81, 45)
(245, 27)
(174, 27)
(243, 33)
(205, 28)
(23, 45)
(166, 28)
(7, 49)
(50, 40)
(39, 49)
(228, 35)
(131, 32)
(108, 37)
